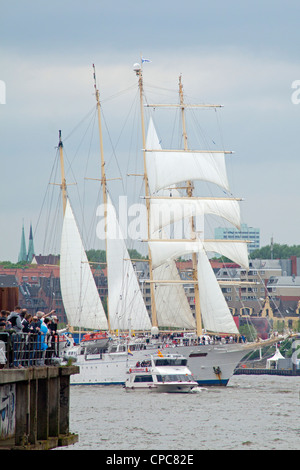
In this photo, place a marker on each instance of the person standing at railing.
(26, 337)
(33, 338)
(4, 340)
(6, 335)
(3, 318)
(15, 319)
(43, 340)
(26, 322)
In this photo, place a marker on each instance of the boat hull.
(108, 369)
(161, 388)
(175, 388)
(211, 365)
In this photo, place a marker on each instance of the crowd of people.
(28, 339)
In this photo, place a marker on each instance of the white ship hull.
(213, 365)
(210, 364)
(110, 369)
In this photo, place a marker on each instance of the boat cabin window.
(143, 378)
(168, 361)
(117, 348)
(137, 347)
(91, 350)
(174, 378)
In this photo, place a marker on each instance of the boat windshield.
(174, 378)
(170, 361)
(143, 378)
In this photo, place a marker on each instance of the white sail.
(235, 250)
(172, 307)
(126, 306)
(162, 251)
(166, 211)
(165, 168)
(79, 292)
(216, 316)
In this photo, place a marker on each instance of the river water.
(251, 413)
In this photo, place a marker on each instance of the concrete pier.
(257, 371)
(34, 407)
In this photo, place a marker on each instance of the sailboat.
(102, 360)
(213, 362)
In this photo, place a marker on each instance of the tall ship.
(170, 196)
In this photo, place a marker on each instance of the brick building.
(269, 290)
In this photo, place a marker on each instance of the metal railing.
(28, 349)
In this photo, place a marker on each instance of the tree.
(99, 256)
(248, 331)
(279, 252)
(96, 256)
(134, 254)
(10, 265)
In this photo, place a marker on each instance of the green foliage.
(104, 303)
(279, 252)
(136, 255)
(280, 326)
(99, 256)
(248, 331)
(286, 348)
(96, 256)
(10, 265)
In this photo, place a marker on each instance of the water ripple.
(252, 412)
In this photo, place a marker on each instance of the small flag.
(160, 354)
(129, 352)
(145, 60)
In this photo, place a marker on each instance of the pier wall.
(257, 371)
(34, 407)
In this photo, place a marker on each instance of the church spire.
(23, 253)
(30, 246)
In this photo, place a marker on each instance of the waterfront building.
(284, 293)
(247, 293)
(270, 289)
(246, 233)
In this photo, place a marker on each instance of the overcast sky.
(243, 55)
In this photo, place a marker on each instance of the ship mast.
(62, 168)
(103, 175)
(139, 73)
(189, 190)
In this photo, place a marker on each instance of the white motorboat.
(162, 373)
